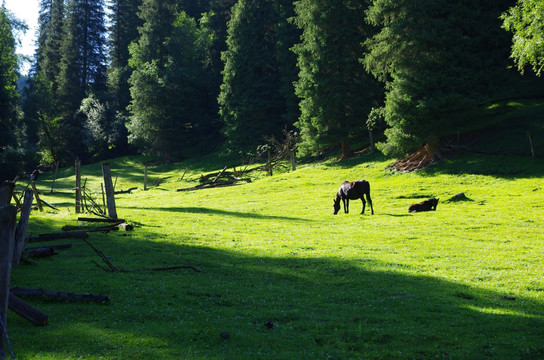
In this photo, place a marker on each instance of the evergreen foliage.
(82, 68)
(123, 31)
(185, 77)
(253, 102)
(435, 58)
(336, 94)
(169, 82)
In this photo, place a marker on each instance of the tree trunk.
(346, 151)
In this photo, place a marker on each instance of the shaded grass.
(464, 282)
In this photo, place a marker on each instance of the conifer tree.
(8, 98)
(336, 94)
(436, 57)
(50, 35)
(253, 99)
(82, 66)
(167, 81)
(123, 31)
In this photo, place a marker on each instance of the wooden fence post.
(110, 197)
(54, 176)
(145, 177)
(8, 215)
(78, 185)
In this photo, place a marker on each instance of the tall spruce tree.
(82, 67)
(436, 57)
(50, 35)
(167, 81)
(336, 93)
(8, 98)
(124, 21)
(253, 99)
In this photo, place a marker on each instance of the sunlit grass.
(452, 284)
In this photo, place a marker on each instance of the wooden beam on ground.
(60, 295)
(57, 236)
(104, 220)
(26, 311)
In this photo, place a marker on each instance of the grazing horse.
(353, 190)
(427, 205)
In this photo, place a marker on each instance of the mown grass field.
(283, 278)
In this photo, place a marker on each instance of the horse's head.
(336, 205)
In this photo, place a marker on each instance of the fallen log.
(106, 220)
(41, 252)
(60, 295)
(128, 191)
(61, 235)
(56, 246)
(104, 228)
(222, 183)
(26, 311)
(44, 251)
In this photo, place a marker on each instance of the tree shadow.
(243, 306)
(203, 210)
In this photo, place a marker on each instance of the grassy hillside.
(283, 278)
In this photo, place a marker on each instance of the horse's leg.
(364, 204)
(346, 205)
(370, 202)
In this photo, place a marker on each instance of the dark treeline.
(175, 78)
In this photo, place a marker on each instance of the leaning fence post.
(20, 232)
(108, 184)
(8, 214)
(36, 195)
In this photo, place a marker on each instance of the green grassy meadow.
(283, 278)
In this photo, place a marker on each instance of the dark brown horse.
(351, 190)
(427, 205)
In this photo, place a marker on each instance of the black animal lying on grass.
(353, 190)
(427, 205)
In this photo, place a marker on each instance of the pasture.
(284, 278)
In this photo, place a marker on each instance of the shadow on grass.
(247, 306)
(203, 210)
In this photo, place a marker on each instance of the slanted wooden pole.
(531, 144)
(103, 199)
(20, 233)
(78, 185)
(8, 215)
(110, 193)
(36, 195)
